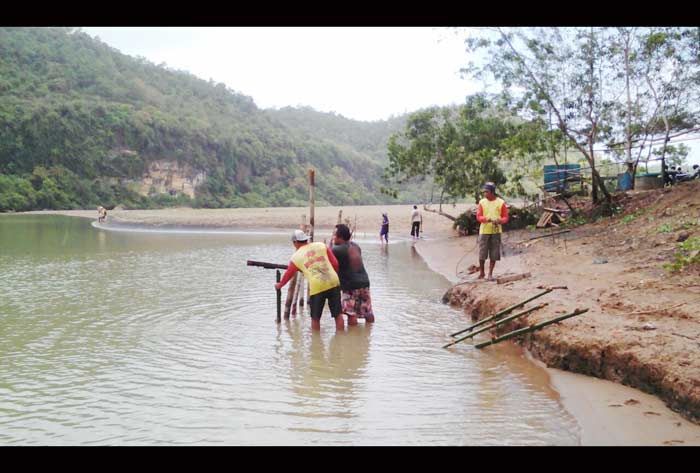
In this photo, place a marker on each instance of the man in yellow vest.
(320, 268)
(492, 213)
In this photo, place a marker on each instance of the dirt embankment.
(643, 324)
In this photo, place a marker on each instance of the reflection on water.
(169, 338)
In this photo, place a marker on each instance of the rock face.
(168, 177)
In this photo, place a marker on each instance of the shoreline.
(645, 420)
(608, 413)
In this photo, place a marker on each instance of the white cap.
(299, 235)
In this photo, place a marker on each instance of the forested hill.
(82, 124)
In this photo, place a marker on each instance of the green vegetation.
(93, 120)
(687, 254)
(664, 228)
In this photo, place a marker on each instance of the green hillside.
(82, 124)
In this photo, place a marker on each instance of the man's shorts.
(317, 301)
(490, 245)
(358, 302)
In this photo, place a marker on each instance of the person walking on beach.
(491, 213)
(416, 222)
(384, 232)
(320, 266)
(354, 281)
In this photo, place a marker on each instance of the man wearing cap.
(320, 266)
(491, 213)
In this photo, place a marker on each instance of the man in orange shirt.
(491, 213)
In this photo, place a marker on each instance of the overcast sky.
(364, 73)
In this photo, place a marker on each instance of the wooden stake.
(496, 324)
(290, 296)
(312, 201)
(503, 312)
(279, 298)
(531, 328)
(312, 207)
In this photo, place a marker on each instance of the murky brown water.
(169, 338)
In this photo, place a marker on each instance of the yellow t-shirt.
(312, 260)
(491, 209)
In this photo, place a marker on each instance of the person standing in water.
(101, 214)
(354, 281)
(491, 213)
(320, 266)
(384, 232)
(416, 222)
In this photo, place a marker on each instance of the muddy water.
(113, 337)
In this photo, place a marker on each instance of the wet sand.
(608, 413)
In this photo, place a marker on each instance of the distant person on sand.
(101, 214)
(416, 222)
(319, 265)
(354, 281)
(384, 232)
(491, 213)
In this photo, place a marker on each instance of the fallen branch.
(439, 212)
(542, 236)
(515, 277)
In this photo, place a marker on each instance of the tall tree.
(458, 148)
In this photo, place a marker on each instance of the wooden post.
(531, 328)
(290, 296)
(279, 298)
(495, 324)
(299, 297)
(312, 201)
(503, 312)
(312, 208)
(298, 288)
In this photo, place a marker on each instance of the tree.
(557, 71)
(458, 148)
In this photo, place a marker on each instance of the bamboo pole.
(290, 296)
(312, 201)
(503, 312)
(298, 287)
(279, 298)
(496, 324)
(300, 284)
(531, 328)
(312, 208)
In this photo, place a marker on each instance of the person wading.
(354, 281)
(492, 214)
(320, 267)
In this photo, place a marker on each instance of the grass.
(687, 254)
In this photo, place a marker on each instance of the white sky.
(364, 73)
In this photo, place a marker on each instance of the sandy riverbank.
(609, 413)
(367, 219)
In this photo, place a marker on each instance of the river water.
(168, 338)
